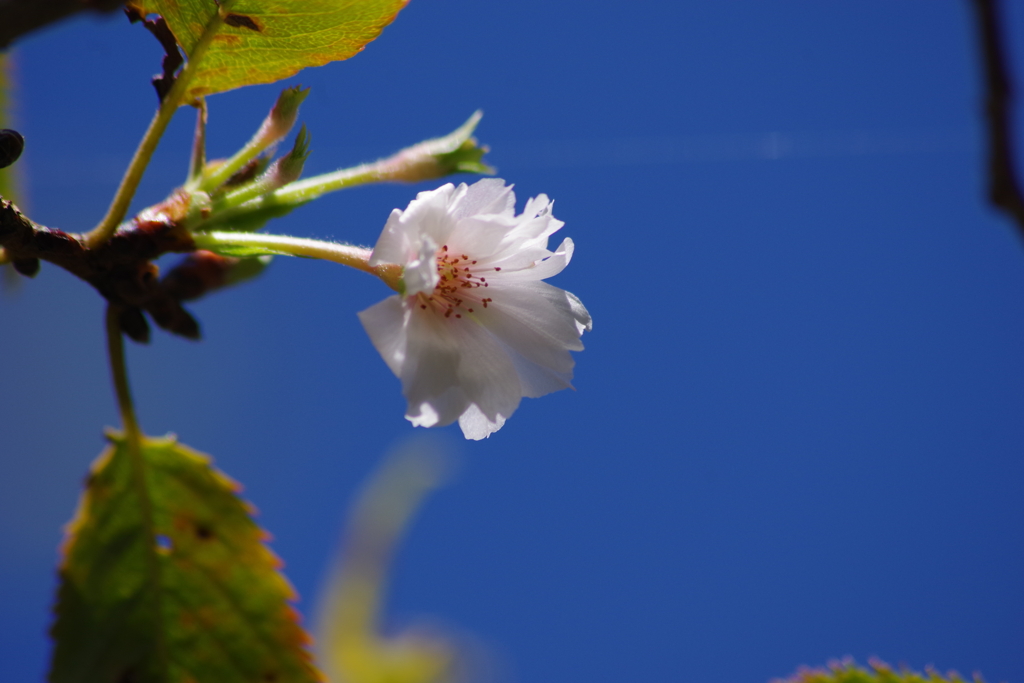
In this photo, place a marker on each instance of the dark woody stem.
(1005, 190)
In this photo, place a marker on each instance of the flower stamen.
(456, 279)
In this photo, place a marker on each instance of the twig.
(18, 17)
(121, 269)
(170, 103)
(1004, 187)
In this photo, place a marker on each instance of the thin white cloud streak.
(697, 149)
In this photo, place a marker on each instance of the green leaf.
(251, 216)
(263, 41)
(247, 268)
(8, 175)
(243, 250)
(879, 672)
(165, 577)
(350, 639)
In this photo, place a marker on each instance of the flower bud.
(456, 152)
(11, 145)
(282, 116)
(288, 168)
(283, 171)
(277, 124)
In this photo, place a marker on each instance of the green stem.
(422, 161)
(133, 175)
(209, 180)
(198, 160)
(279, 121)
(345, 254)
(430, 159)
(115, 347)
(298, 193)
(302, 191)
(133, 438)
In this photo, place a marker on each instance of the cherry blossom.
(474, 329)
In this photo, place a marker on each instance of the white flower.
(475, 329)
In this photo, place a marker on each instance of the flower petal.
(458, 359)
(394, 244)
(538, 320)
(400, 239)
(421, 362)
(551, 265)
(475, 425)
(538, 380)
(429, 376)
(486, 196)
(485, 371)
(420, 272)
(385, 323)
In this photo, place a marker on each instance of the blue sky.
(797, 431)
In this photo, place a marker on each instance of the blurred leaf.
(250, 217)
(172, 582)
(243, 250)
(247, 269)
(349, 641)
(264, 41)
(9, 176)
(879, 672)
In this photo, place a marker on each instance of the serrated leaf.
(264, 41)
(166, 577)
(879, 672)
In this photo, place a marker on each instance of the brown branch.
(172, 55)
(1004, 187)
(18, 17)
(121, 269)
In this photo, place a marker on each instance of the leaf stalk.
(198, 161)
(144, 152)
(133, 436)
(277, 124)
